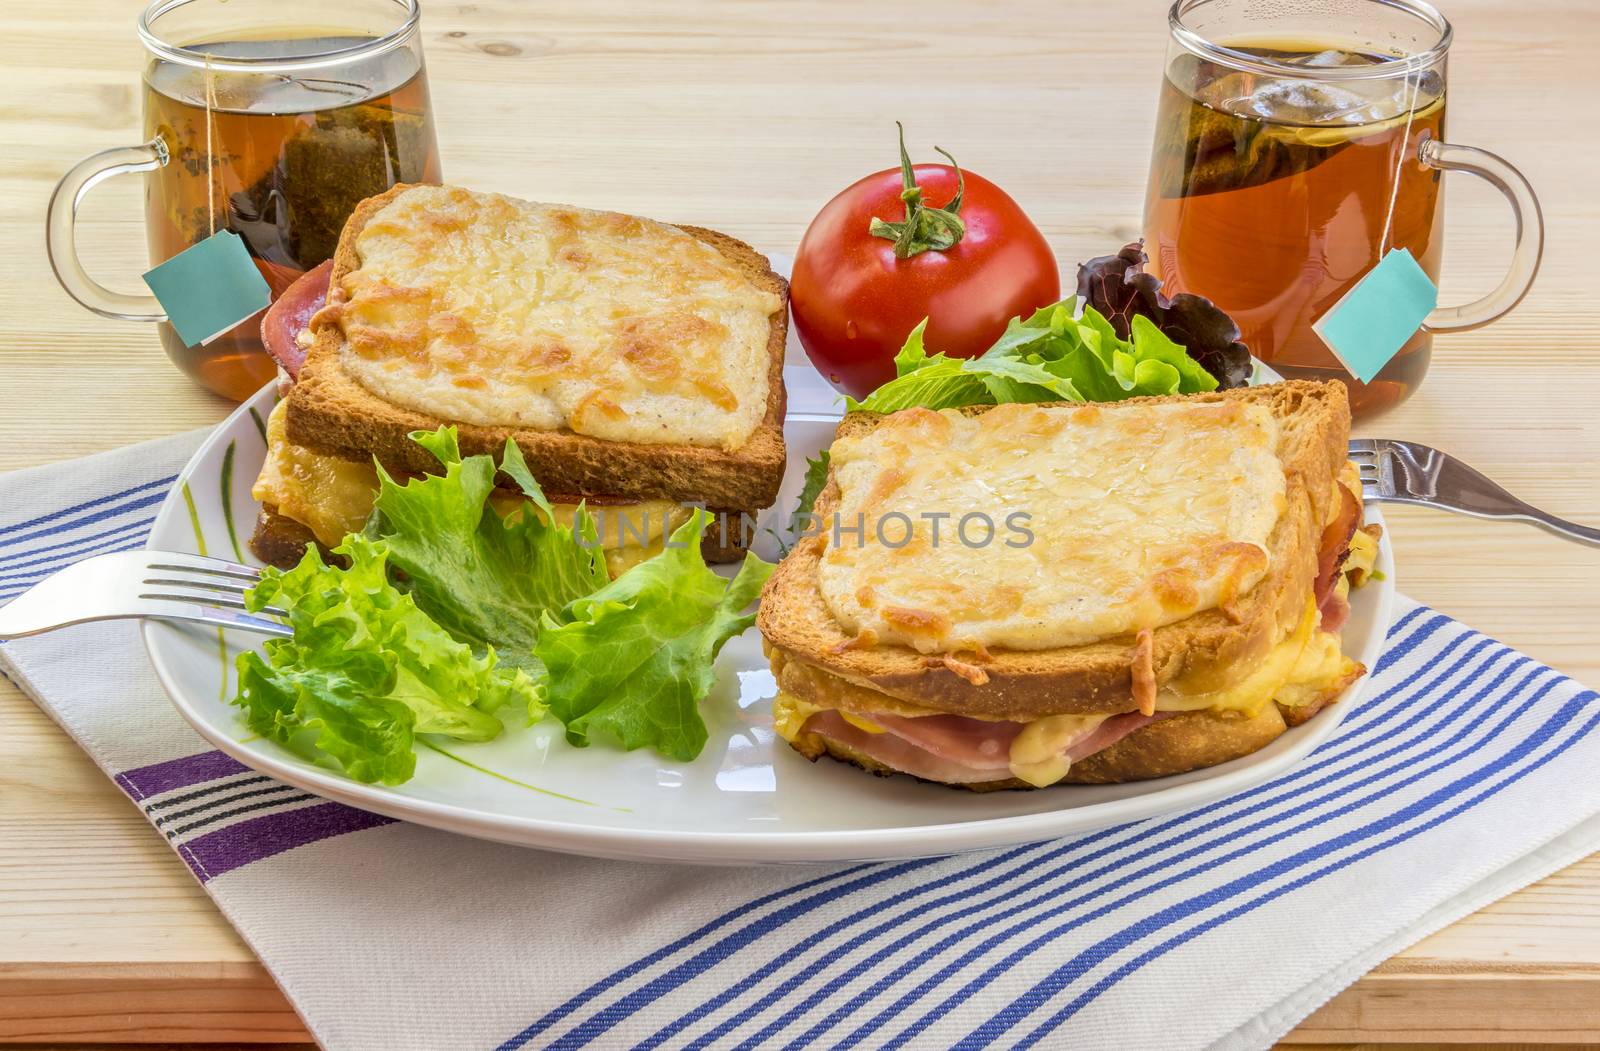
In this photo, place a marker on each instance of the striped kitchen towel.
(1467, 771)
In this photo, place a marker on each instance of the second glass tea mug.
(1296, 144)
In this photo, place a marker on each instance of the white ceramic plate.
(748, 798)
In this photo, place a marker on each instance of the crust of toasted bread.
(330, 412)
(1175, 745)
(1204, 652)
(281, 541)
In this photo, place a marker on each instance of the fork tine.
(236, 588)
(209, 600)
(1365, 446)
(217, 591)
(107, 586)
(176, 563)
(222, 614)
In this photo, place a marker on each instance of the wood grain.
(746, 117)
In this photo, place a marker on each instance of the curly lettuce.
(816, 481)
(1119, 289)
(367, 670)
(484, 577)
(1053, 355)
(633, 661)
(447, 610)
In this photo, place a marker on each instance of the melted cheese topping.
(333, 496)
(1250, 693)
(1139, 515)
(488, 310)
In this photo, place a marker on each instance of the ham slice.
(897, 753)
(954, 749)
(1335, 545)
(1331, 553)
(289, 315)
(1334, 610)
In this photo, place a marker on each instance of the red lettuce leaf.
(1118, 287)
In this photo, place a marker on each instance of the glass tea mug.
(1295, 145)
(270, 118)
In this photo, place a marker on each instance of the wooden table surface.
(747, 117)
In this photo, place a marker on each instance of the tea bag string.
(1414, 88)
(211, 180)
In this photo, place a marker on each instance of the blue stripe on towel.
(1397, 737)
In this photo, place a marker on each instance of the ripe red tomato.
(855, 300)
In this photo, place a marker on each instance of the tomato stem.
(924, 226)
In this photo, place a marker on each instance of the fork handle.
(219, 618)
(1520, 512)
(1560, 526)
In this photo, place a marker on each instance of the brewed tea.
(1273, 195)
(281, 160)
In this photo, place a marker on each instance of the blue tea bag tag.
(210, 287)
(1369, 325)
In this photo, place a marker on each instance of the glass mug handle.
(1530, 234)
(60, 226)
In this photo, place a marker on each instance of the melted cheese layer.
(329, 495)
(488, 310)
(1300, 670)
(333, 496)
(1139, 515)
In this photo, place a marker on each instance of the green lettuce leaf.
(940, 382)
(816, 480)
(633, 661)
(366, 670)
(483, 577)
(1048, 356)
(1151, 344)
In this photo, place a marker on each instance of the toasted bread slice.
(1203, 652)
(330, 412)
(281, 541)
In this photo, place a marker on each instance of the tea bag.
(324, 171)
(208, 288)
(1252, 128)
(1372, 321)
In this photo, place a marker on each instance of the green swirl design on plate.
(200, 546)
(227, 501)
(511, 780)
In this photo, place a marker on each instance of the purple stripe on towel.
(145, 781)
(245, 841)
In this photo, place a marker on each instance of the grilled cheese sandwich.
(1054, 695)
(637, 365)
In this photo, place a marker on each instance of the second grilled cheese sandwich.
(1092, 685)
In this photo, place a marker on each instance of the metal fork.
(164, 585)
(1408, 473)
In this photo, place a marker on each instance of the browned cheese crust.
(1204, 652)
(330, 412)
